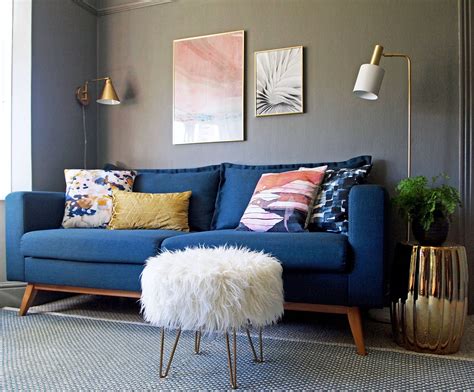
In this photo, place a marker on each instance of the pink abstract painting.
(208, 88)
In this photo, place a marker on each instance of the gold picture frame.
(287, 99)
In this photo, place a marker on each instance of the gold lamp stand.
(376, 56)
(368, 84)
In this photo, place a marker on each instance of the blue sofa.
(323, 272)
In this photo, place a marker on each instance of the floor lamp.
(367, 86)
(108, 96)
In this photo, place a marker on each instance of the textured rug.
(91, 343)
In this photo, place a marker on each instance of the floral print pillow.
(89, 195)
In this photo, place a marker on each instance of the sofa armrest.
(367, 237)
(24, 212)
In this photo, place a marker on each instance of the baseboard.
(7, 284)
(11, 294)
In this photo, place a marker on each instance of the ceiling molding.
(132, 5)
(88, 7)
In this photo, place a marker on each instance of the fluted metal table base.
(429, 297)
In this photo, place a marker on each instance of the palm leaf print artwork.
(279, 81)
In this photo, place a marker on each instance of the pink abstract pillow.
(281, 201)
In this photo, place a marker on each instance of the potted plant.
(428, 207)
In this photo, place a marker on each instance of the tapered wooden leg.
(355, 322)
(28, 298)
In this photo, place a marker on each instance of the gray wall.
(64, 55)
(135, 49)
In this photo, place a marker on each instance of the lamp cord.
(85, 135)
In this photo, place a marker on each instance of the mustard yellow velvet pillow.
(132, 210)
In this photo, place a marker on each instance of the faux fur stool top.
(212, 289)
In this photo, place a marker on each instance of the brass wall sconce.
(108, 96)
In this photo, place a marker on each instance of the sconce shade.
(369, 80)
(109, 95)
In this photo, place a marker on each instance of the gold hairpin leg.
(232, 362)
(178, 334)
(260, 341)
(197, 342)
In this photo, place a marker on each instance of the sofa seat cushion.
(95, 245)
(325, 252)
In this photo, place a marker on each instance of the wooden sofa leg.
(355, 322)
(28, 298)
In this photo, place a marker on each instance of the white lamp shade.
(108, 102)
(369, 80)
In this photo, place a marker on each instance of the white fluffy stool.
(208, 290)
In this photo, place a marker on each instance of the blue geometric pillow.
(331, 205)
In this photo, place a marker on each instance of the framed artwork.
(208, 88)
(279, 81)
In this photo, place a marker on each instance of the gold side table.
(429, 297)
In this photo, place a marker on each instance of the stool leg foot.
(232, 359)
(162, 349)
(197, 342)
(260, 341)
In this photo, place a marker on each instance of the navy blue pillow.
(330, 211)
(203, 182)
(239, 181)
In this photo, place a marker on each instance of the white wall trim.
(132, 5)
(10, 296)
(11, 285)
(21, 96)
(6, 31)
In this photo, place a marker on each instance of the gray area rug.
(92, 343)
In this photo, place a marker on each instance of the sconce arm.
(96, 80)
(82, 92)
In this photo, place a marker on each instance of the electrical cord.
(85, 135)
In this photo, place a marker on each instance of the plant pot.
(437, 233)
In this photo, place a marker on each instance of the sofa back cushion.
(239, 181)
(203, 182)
